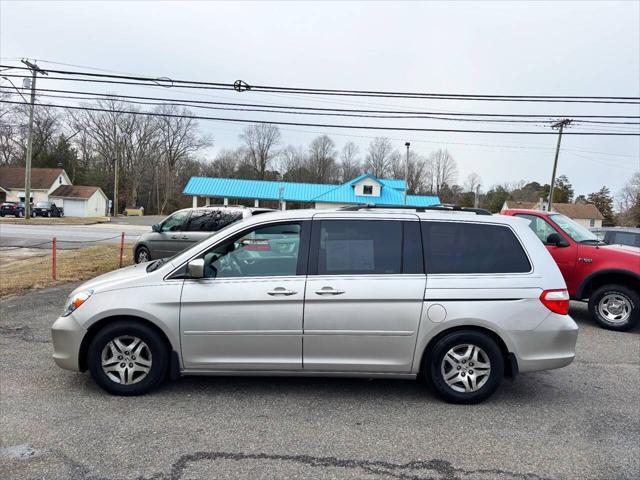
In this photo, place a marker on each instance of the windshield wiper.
(592, 241)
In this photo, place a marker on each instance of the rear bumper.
(67, 337)
(551, 345)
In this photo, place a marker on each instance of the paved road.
(68, 236)
(580, 422)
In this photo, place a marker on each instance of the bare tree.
(378, 157)
(179, 140)
(293, 164)
(224, 165)
(350, 166)
(472, 182)
(260, 143)
(321, 161)
(444, 170)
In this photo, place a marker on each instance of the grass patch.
(54, 220)
(18, 275)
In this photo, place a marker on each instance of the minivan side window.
(366, 247)
(466, 248)
(211, 220)
(174, 222)
(268, 251)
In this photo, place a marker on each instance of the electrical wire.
(361, 127)
(374, 113)
(168, 82)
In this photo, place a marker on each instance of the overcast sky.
(518, 48)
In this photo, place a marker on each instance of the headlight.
(75, 300)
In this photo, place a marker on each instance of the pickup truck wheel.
(615, 307)
(465, 366)
(127, 358)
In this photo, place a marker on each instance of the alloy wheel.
(126, 360)
(615, 308)
(465, 368)
(143, 256)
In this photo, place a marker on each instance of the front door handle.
(184, 237)
(329, 291)
(175, 237)
(281, 291)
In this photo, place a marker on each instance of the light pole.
(406, 174)
(119, 138)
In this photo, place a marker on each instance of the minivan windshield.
(574, 229)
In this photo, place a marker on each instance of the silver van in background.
(186, 227)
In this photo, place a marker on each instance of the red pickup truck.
(607, 275)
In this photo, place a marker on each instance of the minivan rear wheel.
(615, 307)
(127, 358)
(465, 366)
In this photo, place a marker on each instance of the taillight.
(556, 300)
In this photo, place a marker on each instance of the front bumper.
(67, 337)
(551, 345)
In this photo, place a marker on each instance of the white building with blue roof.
(365, 189)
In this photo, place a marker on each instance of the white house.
(80, 201)
(43, 182)
(586, 214)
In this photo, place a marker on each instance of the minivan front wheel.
(142, 255)
(465, 367)
(127, 358)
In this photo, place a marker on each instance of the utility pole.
(406, 174)
(476, 198)
(560, 126)
(27, 172)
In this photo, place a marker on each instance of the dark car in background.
(618, 235)
(47, 209)
(15, 209)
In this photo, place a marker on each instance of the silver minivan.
(457, 298)
(185, 227)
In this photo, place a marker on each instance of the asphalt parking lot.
(579, 422)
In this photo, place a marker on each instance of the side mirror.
(156, 228)
(195, 268)
(557, 240)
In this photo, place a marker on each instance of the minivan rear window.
(456, 247)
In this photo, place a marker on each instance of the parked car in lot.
(457, 298)
(185, 227)
(618, 235)
(47, 209)
(15, 209)
(608, 276)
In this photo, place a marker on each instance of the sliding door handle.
(281, 291)
(329, 291)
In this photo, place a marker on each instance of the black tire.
(140, 251)
(432, 366)
(125, 328)
(630, 298)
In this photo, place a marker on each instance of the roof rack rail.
(441, 207)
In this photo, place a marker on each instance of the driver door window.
(174, 222)
(265, 252)
(540, 227)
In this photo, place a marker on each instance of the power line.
(360, 127)
(378, 113)
(169, 82)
